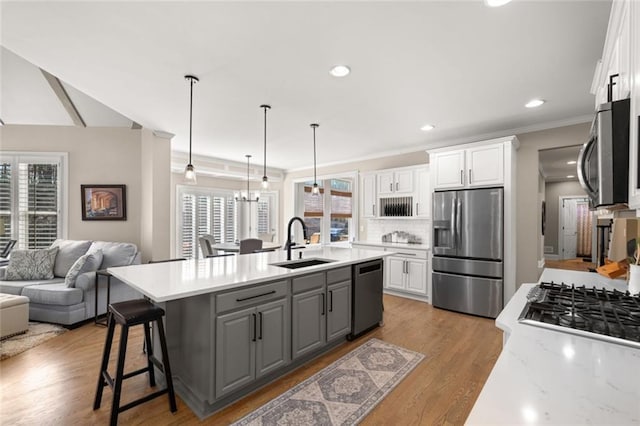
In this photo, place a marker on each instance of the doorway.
(575, 227)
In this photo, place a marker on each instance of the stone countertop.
(393, 245)
(166, 281)
(545, 376)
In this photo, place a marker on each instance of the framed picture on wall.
(104, 202)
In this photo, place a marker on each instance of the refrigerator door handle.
(453, 222)
(458, 236)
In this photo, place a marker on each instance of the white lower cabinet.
(407, 274)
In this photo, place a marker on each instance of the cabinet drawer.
(308, 282)
(339, 274)
(250, 296)
(409, 254)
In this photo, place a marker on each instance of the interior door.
(569, 228)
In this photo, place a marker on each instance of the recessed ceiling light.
(572, 162)
(496, 3)
(534, 103)
(427, 127)
(570, 176)
(340, 71)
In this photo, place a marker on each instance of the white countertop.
(162, 282)
(549, 377)
(393, 245)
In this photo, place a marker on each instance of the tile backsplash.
(374, 229)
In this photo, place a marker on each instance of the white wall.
(553, 192)
(528, 209)
(96, 156)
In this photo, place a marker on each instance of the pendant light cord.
(264, 172)
(314, 126)
(190, 117)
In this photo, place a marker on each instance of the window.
(215, 211)
(31, 199)
(328, 218)
(204, 212)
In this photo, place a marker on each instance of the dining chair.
(7, 248)
(267, 237)
(249, 245)
(206, 245)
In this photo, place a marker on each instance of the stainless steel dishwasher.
(366, 300)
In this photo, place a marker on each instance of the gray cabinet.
(235, 350)
(321, 309)
(272, 343)
(252, 341)
(338, 310)
(308, 321)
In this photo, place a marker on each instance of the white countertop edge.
(140, 277)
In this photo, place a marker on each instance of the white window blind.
(31, 194)
(205, 212)
(5, 203)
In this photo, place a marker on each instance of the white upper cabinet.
(396, 193)
(485, 165)
(369, 195)
(395, 182)
(423, 193)
(476, 166)
(448, 169)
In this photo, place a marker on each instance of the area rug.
(342, 393)
(36, 334)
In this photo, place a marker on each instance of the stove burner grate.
(604, 312)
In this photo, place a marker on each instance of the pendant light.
(189, 171)
(265, 179)
(246, 197)
(315, 190)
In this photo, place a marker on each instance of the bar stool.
(128, 314)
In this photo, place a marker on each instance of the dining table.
(235, 247)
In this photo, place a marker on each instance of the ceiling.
(464, 67)
(555, 163)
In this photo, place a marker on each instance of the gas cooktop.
(608, 315)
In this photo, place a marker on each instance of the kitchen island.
(236, 323)
(547, 376)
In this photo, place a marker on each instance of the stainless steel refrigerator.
(468, 251)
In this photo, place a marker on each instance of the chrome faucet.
(289, 243)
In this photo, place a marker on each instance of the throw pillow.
(89, 262)
(68, 252)
(31, 264)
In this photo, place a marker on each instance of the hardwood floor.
(570, 264)
(54, 383)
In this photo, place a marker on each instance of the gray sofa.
(70, 302)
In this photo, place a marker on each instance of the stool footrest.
(157, 363)
(143, 400)
(135, 373)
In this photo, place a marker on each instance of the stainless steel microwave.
(603, 162)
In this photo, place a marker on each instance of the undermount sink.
(302, 263)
